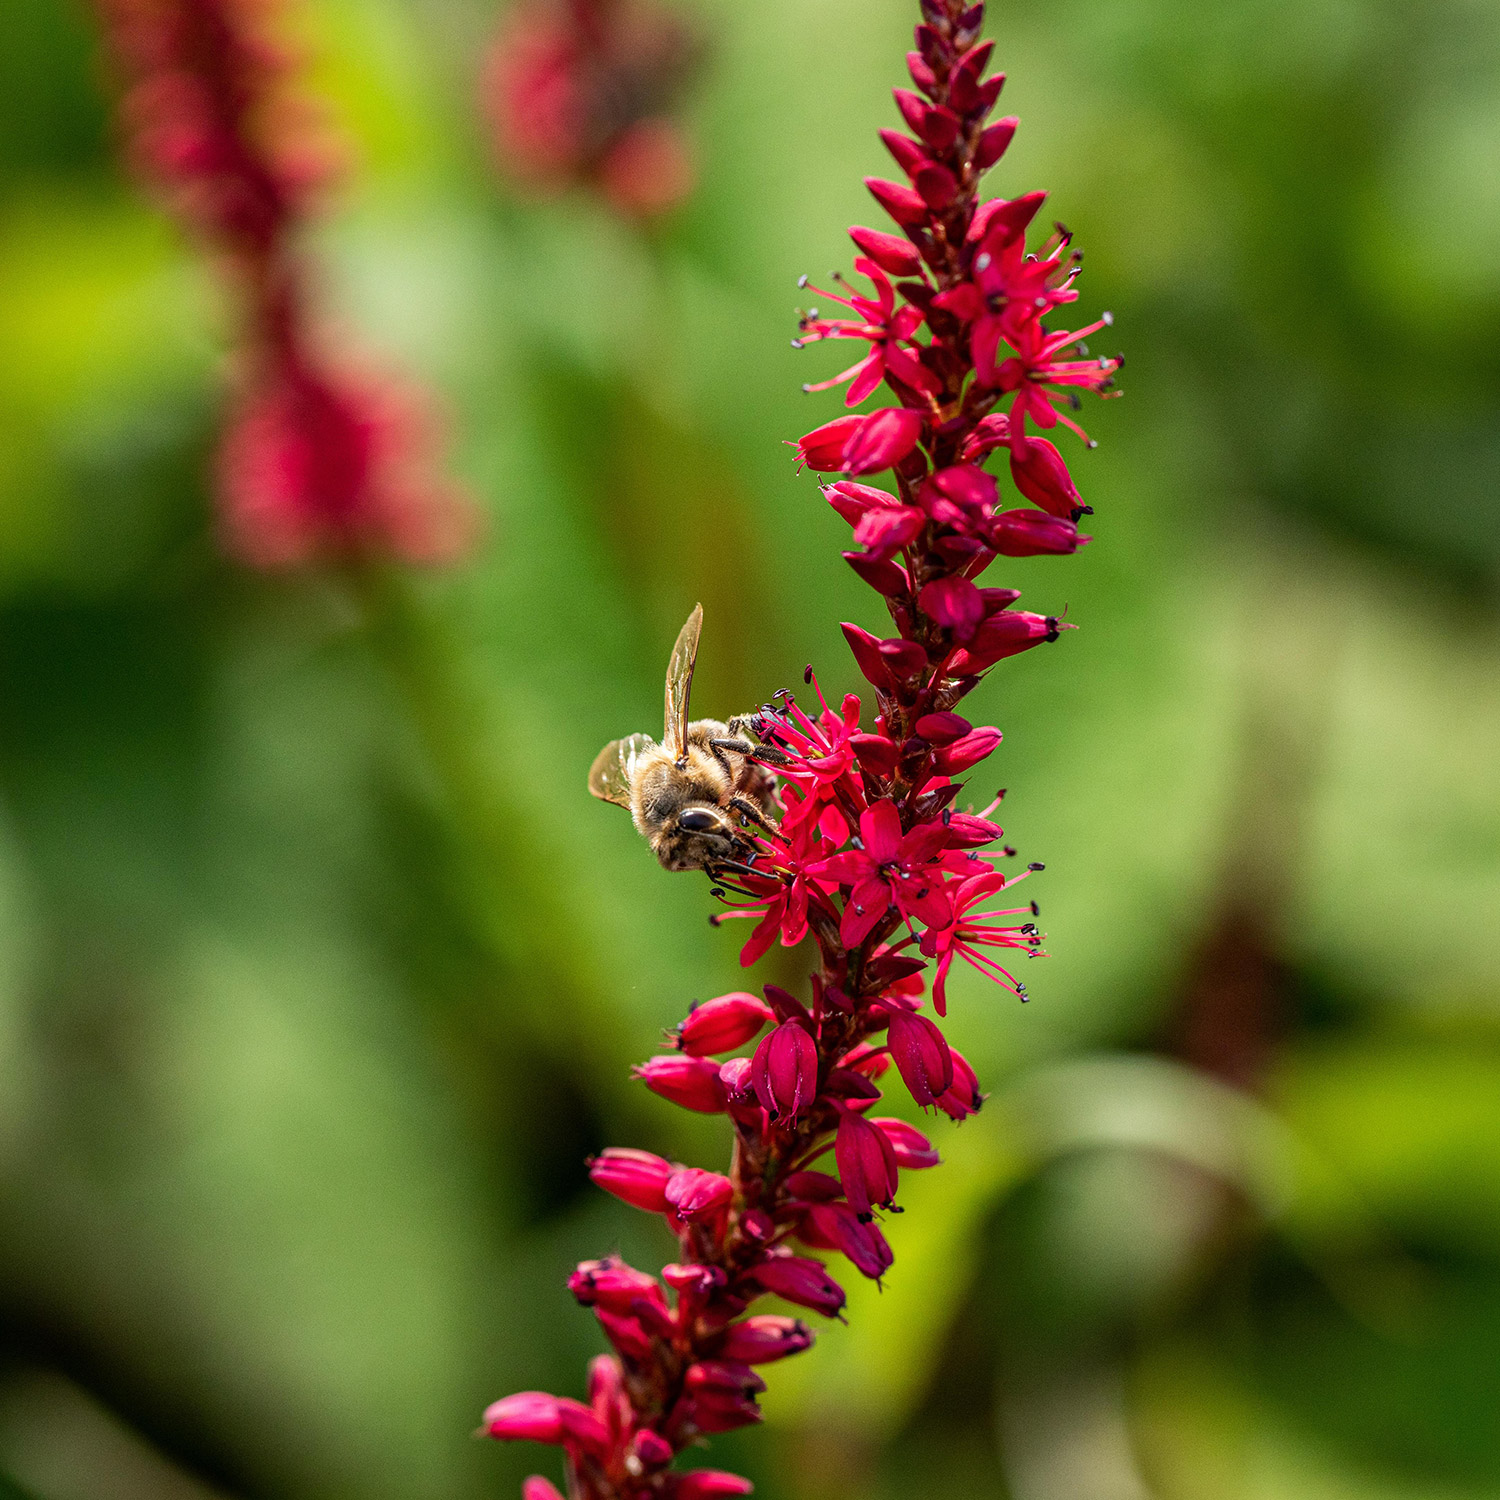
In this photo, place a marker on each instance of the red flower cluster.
(871, 855)
(318, 460)
(580, 92)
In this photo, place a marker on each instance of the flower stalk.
(870, 854)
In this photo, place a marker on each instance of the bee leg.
(767, 753)
(747, 809)
(720, 867)
(743, 726)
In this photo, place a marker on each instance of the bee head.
(699, 835)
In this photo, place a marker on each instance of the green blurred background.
(320, 975)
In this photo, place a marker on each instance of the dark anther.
(1036, 866)
(1007, 851)
(716, 890)
(807, 673)
(947, 816)
(801, 282)
(1036, 910)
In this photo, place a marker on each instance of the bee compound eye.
(697, 820)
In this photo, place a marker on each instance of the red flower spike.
(637, 1177)
(860, 849)
(913, 1150)
(785, 1070)
(692, 1082)
(867, 1164)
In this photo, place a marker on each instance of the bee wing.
(613, 769)
(680, 682)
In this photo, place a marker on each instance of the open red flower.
(969, 932)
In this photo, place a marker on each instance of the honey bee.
(691, 796)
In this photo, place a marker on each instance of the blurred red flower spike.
(692, 1082)
(538, 1488)
(913, 1149)
(626, 1333)
(637, 1177)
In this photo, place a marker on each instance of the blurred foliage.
(320, 975)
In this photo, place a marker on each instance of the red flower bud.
(627, 1334)
(785, 1070)
(638, 1177)
(884, 576)
(1003, 634)
(759, 1340)
(912, 1148)
(944, 728)
(994, 142)
(921, 1054)
(611, 1283)
(537, 1488)
(962, 1097)
(889, 251)
(867, 656)
(708, 1484)
(1042, 476)
(722, 1377)
(936, 185)
(802, 1280)
(540, 1418)
(867, 1164)
(835, 1226)
(903, 204)
(909, 155)
(813, 1187)
(1029, 533)
(823, 448)
(652, 1449)
(875, 753)
(956, 758)
(722, 1024)
(698, 1195)
(882, 439)
(692, 1082)
(955, 604)
(736, 1077)
(904, 658)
